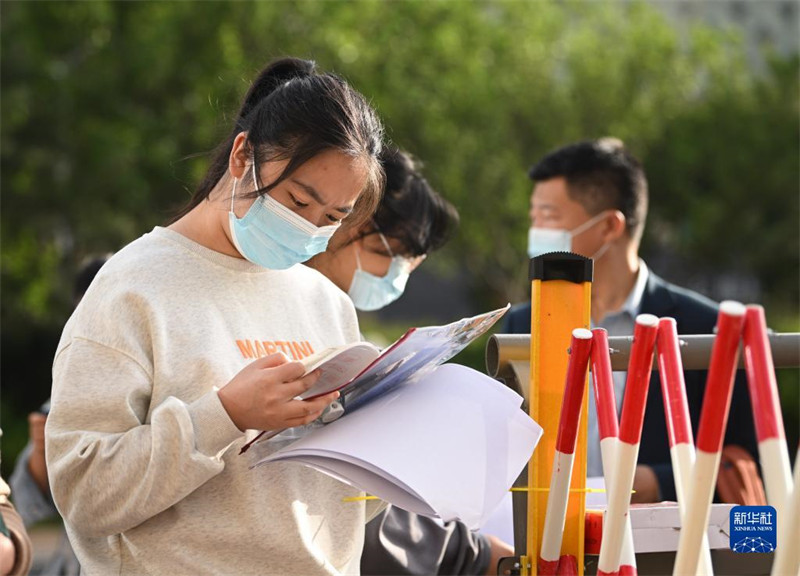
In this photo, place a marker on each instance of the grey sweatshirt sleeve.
(112, 467)
(398, 542)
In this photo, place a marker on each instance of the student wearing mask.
(591, 198)
(372, 263)
(153, 391)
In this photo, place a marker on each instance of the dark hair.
(601, 175)
(88, 270)
(294, 113)
(410, 210)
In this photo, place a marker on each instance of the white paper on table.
(455, 440)
(656, 527)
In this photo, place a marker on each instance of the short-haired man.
(590, 198)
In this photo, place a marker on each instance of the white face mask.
(370, 292)
(273, 236)
(544, 240)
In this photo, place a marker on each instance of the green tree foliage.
(110, 108)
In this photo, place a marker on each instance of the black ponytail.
(292, 112)
(270, 78)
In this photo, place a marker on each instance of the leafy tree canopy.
(110, 108)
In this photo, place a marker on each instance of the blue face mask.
(369, 292)
(545, 240)
(273, 236)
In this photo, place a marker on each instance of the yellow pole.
(561, 290)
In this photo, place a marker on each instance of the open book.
(361, 371)
(435, 439)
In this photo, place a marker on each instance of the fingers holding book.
(309, 410)
(264, 395)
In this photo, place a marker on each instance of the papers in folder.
(448, 444)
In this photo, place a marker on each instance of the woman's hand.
(263, 396)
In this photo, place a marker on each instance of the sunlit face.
(373, 252)
(322, 190)
(551, 207)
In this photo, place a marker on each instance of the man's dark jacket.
(694, 314)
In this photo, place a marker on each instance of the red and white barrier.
(713, 421)
(558, 497)
(787, 553)
(679, 424)
(640, 367)
(763, 387)
(608, 426)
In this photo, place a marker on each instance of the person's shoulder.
(150, 273)
(163, 262)
(139, 266)
(519, 310)
(685, 296)
(310, 277)
(141, 256)
(518, 319)
(316, 285)
(324, 300)
(695, 311)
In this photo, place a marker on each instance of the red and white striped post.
(787, 554)
(566, 440)
(640, 366)
(713, 421)
(608, 426)
(763, 387)
(679, 424)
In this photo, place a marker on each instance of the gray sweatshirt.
(144, 461)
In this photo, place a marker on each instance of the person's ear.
(240, 156)
(613, 225)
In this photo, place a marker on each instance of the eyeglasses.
(410, 262)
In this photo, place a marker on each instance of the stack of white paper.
(450, 444)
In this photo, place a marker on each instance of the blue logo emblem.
(754, 529)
